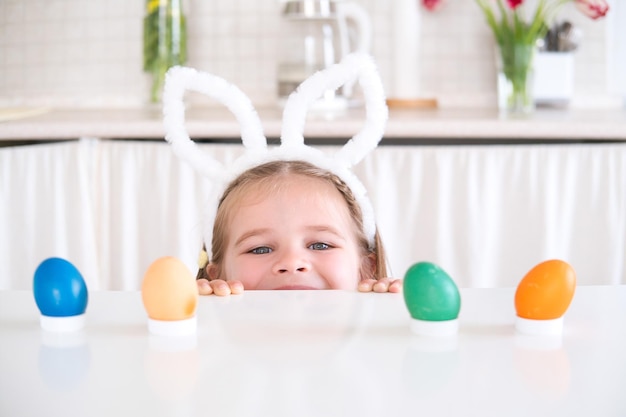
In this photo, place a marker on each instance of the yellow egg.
(169, 290)
(546, 291)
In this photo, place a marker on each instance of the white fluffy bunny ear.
(358, 66)
(177, 81)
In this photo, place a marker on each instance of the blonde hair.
(268, 175)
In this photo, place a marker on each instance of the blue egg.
(59, 289)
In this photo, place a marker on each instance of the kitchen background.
(487, 212)
(77, 53)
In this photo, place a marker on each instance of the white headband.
(292, 147)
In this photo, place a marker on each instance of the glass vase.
(515, 78)
(164, 41)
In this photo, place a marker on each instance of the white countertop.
(315, 353)
(218, 123)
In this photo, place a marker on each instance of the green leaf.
(164, 41)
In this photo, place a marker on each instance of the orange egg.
(546, 291)
(169, 290)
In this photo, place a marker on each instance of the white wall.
(89, 53)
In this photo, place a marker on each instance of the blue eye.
(261, 250)
(319, 246)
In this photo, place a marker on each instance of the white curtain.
(486, 214)
(46, 209)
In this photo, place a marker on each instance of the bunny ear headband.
(354, 66)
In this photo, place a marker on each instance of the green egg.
(430, 294)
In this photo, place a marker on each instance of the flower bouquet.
(516, 35)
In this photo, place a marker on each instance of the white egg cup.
(173, 328)
(443, 328)
(63, 324)
(552, 327)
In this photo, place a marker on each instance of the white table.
(316, 353)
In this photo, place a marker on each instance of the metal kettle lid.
(310, 9)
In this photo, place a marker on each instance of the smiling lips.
(295, 287)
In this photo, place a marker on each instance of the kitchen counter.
(465, 125)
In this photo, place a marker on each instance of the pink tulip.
(432, 5)
(514, 3)
(595, 9)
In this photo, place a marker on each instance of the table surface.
(314, 353)
(465, 125)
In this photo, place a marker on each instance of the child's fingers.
(395, 286)
(366, 285)
(382, 285)
(204, 288)
(388, 285)
(220, 287)
(236, 287)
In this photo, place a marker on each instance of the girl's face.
(298, 236)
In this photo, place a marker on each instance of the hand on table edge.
(223, 288)
(219, 287)
(380, 285)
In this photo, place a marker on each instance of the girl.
(302, 221)
(291, 225)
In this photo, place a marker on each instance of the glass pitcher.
(317, 34)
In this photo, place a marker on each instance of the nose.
(292, 261)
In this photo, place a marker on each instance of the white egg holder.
(62, 324)
(551, 327)
(173, 328)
